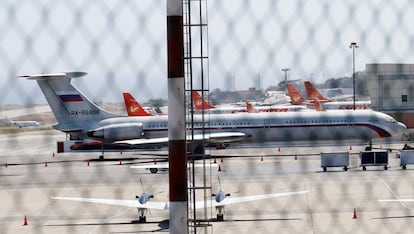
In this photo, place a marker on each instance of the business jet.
(21, 123)
(327, 103)
(143, 202)
(82, 119)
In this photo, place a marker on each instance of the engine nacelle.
(118, 132)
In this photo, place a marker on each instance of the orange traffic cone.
(45, 164)
(120, 162)
(355, 214)
(221, 160)
(214, 160)
(155, 161)
(25, 223)
(278, 149)
(296, 157)
(261, 158)
(53, 154)
(120, 152)
(88, 163)
(350, 147)
(5, 165)
(219, 169)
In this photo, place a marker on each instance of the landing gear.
(101, 157)
(153, 170)
(220, 217)
(142, 219)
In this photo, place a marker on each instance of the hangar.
(391, 88)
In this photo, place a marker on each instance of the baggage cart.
(374, 158)
(406, 157)
(335, 159)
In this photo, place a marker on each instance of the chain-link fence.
(122, 46)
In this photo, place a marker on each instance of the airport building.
(391, 87)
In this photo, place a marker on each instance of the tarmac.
(338, 202)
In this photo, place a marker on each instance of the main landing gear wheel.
(153, 170)
(142, 219)
(364, 168)
(101, 157)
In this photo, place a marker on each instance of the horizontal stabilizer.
(60, 75)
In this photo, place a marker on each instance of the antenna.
(142, 185)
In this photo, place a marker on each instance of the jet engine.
(118, 132)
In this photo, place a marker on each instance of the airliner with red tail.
(132, 107)
(327, 103)
(200, 103)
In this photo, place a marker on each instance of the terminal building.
(391, 88)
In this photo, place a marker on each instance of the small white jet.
(21, 123)
(143, 202)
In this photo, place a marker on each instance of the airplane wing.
(235, 200)
(219, 137)
(397, 200)
(118, 202)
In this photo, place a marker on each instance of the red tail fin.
(313, 93)
(318, 105)
(133, 107)
(295, 97)
(200, 103)
(250, 107)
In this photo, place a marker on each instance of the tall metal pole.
(353, 45)
(176, 119)
(285, 70)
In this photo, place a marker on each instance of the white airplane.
(21, 123)
(200, 103)
(143, 202)
(79, 117)
(331, 104)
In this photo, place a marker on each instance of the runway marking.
(394, 194)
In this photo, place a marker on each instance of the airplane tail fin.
(313, 93)
(318, 105)
(133, 107)
(250, 107)
(8, 121)
(296, 97)
(200, 103)
(72, 109)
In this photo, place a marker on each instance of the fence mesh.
(122, 46)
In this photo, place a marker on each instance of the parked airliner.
(330, 104)
(133, 107)
(79, 117)
(21, 123)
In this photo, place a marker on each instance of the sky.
(122, 44)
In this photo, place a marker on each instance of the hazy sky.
(122, 44)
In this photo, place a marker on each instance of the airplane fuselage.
(286, 126)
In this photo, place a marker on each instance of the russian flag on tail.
(70, 98)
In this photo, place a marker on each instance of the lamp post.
(353, 45)
(285, 70)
